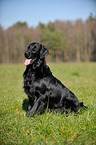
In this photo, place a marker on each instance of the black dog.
(42, 88)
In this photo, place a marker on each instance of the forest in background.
(67, 41)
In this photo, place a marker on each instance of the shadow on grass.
(66, 113)
(25, 104)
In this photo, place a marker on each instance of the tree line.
(67, 41)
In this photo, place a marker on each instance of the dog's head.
(35, 51)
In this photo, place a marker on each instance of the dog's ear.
(43, 52)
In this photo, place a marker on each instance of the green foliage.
(51, 26)
(48, 128)
(41, 26)
(21, 24)
(92, 17)
(54, 40)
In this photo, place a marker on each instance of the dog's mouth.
(29, 61)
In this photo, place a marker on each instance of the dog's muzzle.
(27, 54)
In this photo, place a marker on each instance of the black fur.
(42, 88)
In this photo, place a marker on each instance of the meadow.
(49, 128)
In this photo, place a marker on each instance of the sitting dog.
(42, 88)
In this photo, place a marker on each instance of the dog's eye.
(34, 49)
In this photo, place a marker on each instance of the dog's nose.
(26, 54)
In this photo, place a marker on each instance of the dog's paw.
(29, 114)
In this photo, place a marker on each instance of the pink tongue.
(27, 61)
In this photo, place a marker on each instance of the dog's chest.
(28, 80)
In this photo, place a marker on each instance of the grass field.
(50, 128)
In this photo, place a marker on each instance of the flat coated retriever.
(42, 88)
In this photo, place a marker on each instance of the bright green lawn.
(49, 128)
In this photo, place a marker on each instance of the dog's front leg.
(31, 102)
(39, 106)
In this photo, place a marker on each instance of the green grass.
(48, 128)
